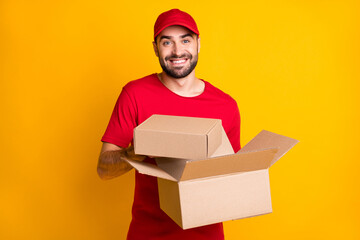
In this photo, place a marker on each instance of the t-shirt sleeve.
(234, 132)
(122, 122)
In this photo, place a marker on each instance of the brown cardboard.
(178, 137)
(266, 139)
(211, 200)
(226, 186)
(240, 162)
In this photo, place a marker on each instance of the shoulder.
(217, 93)
(141, 83)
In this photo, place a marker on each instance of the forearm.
(112, 164)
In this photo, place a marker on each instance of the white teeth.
(180, 61)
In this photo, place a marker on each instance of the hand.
(130, 154)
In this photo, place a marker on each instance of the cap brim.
(176, 24)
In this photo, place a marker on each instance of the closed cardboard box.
(177, 137)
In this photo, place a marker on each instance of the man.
(175, 91)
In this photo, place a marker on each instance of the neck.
(189, 86)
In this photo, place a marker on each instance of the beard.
(179, 72)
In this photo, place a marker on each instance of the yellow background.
(292, 66)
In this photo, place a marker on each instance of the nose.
(177, 49)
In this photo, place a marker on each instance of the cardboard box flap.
(150, 169)
(266, 139)
(225, 148)
(177, 124)
(172, 166)
(240, 162)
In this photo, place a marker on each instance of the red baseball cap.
(174, 17)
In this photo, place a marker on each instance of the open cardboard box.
(219, 187)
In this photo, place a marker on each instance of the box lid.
(266, 139)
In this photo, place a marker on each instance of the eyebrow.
(187, 35)
(182, 36)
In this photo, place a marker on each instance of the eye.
(166, 43)
(186, 41)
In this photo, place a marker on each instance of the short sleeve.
(122, 122)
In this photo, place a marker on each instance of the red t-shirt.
(139, 100)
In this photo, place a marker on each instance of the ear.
(155, 49)
(198, 40)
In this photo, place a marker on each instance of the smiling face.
(177, 49)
